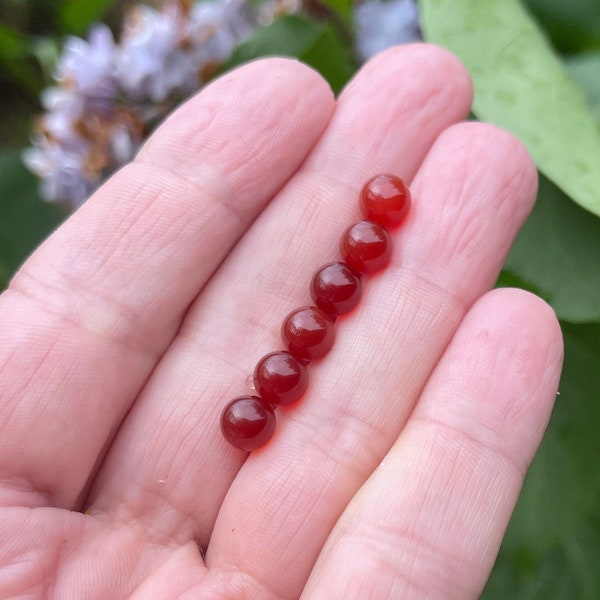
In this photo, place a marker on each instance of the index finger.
(88, 316)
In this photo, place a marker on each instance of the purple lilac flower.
(88, 66)
(151, 62)
(64, 106)
(216, 28)
(62, 170)
(380, 24)
(270, 10)
(109, 95)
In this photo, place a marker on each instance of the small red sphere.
(248, 422)
(336, 288)
(366, 247)
(309, 333)
(280, 379)
(385, 199)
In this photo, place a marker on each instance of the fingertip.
(472, 194)
(435, 64)
(502, 148)
(283, 70)
(499, 377)
(278, 98)
(275, 76)
(525, 333)
(523, 313)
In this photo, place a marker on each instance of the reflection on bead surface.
(280, 379)
(309, 333)
(366, 247)
(385, 199)
(248, 422)
(336, 288)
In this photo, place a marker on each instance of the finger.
(88, 316)
(430, 520)
(387, 118)
(471, 196)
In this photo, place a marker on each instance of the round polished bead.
(309, 333)
(280, 379)
(366, 247)
(248, 422)
(385, 199)
(336, 288)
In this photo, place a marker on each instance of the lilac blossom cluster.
(380, 24)
(109, 95)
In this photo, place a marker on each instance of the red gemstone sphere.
(385, 199)
(309, 333)
(280, 379)
(366, 247)
(248, 422)
(336, 288)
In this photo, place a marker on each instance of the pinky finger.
(430, 520)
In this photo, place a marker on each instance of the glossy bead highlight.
(385, 199)
(336, 288)
(248, 422)
(280, 378)
(366, 247)
(309, 333)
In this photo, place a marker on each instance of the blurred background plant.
(536, 69)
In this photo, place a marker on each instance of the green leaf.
(585, 70)
(341, 7)
(47, 51)
(552, 544)
(76, 16)
(318, 45)
(24, 219)
(557, 255)
(563, 486)
(521, 85)
(328, 56)
(569, 571)
(573, 26)
(14, 52)
(290, 35)
(13, 44)
(509, 279)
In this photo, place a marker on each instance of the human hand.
(127, 332)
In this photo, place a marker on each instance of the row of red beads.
(281, 378)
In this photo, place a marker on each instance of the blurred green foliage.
(558, 254)
(19, 202)
(552, 548)
(522, 83)
(523, 86)
(317, 44)
(573, 26)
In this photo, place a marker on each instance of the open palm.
(127, 332)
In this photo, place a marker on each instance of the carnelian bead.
(280, 379)
(366, 247)
(336, 288)
(248, 422)
(385, 199)
(309, 333)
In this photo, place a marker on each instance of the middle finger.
(387, 118)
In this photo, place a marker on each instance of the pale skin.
(127, 332)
